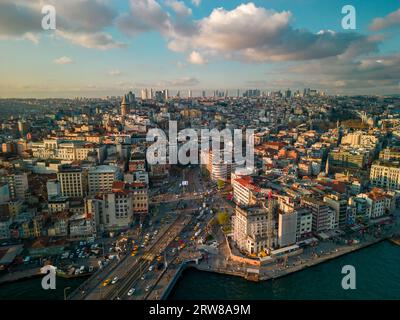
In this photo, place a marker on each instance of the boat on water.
(395, 240)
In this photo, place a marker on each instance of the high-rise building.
(72, 181)
(287, 228)
(144, 94)
(131, 97)
(216, 166)
(22, 128)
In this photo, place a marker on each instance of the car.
(106, 282)
(147, 288)
(143, 277)
(114, 281)
(131, 292)
(133, 253)
(151, 268)
(142, 245)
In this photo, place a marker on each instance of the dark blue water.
(31, 289)
(377, 277)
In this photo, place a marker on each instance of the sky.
(109, 47)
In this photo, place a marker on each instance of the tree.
(220, 183)
(223, 218)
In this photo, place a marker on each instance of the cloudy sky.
(106, 47)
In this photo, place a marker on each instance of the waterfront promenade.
(311, 256)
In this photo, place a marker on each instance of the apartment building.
(101, 178)
(253, 229)
(385, 174)
(390, 154)
(378, 203)
(323, 218)
(338, 202)
(244, 191)
(287, 228)
(304, 224)
(17, 184)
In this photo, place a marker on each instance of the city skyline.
(105, 48)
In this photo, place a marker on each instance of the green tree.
(223, 218)
(220, 184)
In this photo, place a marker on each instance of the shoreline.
(19, 276)
(187, 265)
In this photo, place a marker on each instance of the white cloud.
(63, 60)
(179, 7)
(79, 21)
(98, 40)
(390, 21)
(144, 16)
(255, 34)
(196, 58)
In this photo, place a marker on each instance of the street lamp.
(65, 292)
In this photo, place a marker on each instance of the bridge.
(130, 269)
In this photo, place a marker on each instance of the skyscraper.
(144, 94)
(131, 97)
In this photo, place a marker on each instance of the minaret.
(124, 107)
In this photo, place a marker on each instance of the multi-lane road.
(134, 272)
(131, 269)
